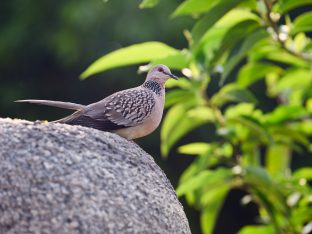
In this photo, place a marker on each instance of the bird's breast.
(149, 125)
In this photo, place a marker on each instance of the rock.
(56, 178)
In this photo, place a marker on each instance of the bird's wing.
(64, 105)
(129, 107)
(120, 110)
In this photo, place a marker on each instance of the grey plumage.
(131, 113)
(64, 105)
(120, 110)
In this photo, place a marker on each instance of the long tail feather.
(64, 105)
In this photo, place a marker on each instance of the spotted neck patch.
(153, 85)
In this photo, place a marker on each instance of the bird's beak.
(172, 76)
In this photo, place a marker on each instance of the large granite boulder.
(56, 178)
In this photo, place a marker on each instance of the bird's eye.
(160, 69)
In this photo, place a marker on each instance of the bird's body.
(131, 113)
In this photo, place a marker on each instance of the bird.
(132, 113)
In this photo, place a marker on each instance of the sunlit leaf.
(194, 182)
(213, 37)
(211, 17)
(290, 134)
(283, 113)
(252, 72)
(295, 79)
(194, 6)
(259, 179)
(210, 42)
(309, 105)
(202, 112)
(274, 53)
(182, 83)
(302, 216)
(234, 35)
(134, 54)
(287, 5)
(205, 179)
(240, 52)
(171, 120)
(178, 60)
(213, 204)
(232, 93)
(304, 126)
(300, 42)
(178, 95)
(194, 148)
(148, 3)
(239, 110)
(260, 229)
(200, 164)
(277, 159)
(304, 172)
(254, 126)
(303, 23)
(176, 124)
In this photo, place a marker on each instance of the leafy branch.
(272, 19)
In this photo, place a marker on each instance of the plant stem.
(275, 26)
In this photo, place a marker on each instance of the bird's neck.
(153, 86)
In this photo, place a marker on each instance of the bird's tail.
(64, 105)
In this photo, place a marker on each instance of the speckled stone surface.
(57, 178)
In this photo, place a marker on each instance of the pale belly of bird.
(149, 125)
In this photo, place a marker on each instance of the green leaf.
(202, 112)
(261, 229)
(252, 72)
(252, 124)
(308, 105)
(240, 51)
(266, 51)
(287, 5)
(214, 201)
(234, 35)
(303, 23)
(176, 96)
(232, 93)
(301, 217)
(205, 179)
(278, 159)
(182, 83)
(241, 109)
(304, 126)
(139, 53)
(178, 60)
(211, 17)
(195, 148)
(290, 135)
(284, 113)
(194, 183)
(194, 6)
(199, 165)
(176, 124)
(148, 3)
(304, 172)
(259, 180)
(300, 42)
(212, 39)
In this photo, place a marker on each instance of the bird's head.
(160, 73)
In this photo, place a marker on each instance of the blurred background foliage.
(237, 133)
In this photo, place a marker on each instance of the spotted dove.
(131, 113)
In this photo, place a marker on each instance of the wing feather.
(120, 110)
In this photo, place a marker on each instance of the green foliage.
(148, 3)
(244, 44)
(134, 54)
